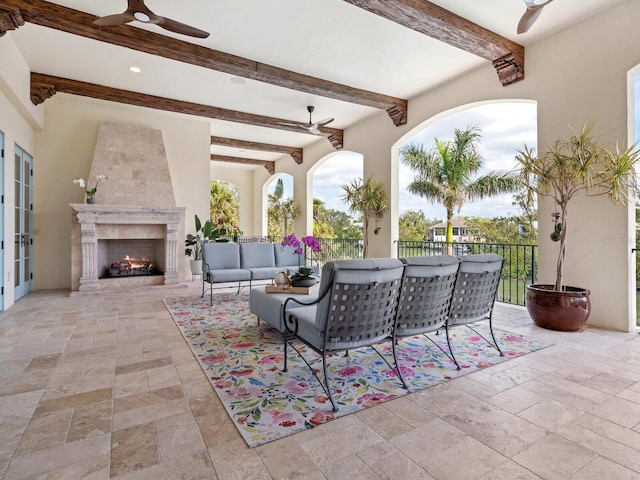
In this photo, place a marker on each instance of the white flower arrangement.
(90, 193)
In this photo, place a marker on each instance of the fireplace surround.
(93, 223)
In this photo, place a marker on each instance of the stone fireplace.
(134, 213)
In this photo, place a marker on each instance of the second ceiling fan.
(311, 127)
(137, 10)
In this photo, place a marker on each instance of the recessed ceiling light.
(238, 80)
(135, 69)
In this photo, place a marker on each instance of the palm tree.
(280, 209)
(447, 173)
(223, 205)
(369, 198)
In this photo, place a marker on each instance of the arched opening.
(339, 229)
(502, 127)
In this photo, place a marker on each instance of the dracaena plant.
(579, 165)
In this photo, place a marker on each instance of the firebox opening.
(131, 257)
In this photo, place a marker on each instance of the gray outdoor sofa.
(224, 262)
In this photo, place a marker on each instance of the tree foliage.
(414, 226)
(447, 174)
(281, 211)
(223, 205)
(369, 198)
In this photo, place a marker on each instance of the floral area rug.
(243, 361)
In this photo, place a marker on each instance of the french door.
(23, 223)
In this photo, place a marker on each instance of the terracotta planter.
(567, 311)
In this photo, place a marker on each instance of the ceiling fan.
(313, 128)
(534, 9)
(137, 10)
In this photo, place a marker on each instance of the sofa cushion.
(221, 255)
(256, 255)
(286, 256)
(227, 275)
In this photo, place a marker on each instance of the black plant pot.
(304, 282)
(566, 311)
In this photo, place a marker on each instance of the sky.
(505, 127)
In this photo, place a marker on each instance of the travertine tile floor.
(97, 387)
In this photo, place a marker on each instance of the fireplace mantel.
(92, 222)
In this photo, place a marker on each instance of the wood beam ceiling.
(13, 13)
(295, 152)
(44, 86)
(436, 22)
(268, 164)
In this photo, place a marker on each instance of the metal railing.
(519, 270)
(520, 261)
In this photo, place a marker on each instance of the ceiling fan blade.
(324, 122)
(314, 129)
(288, 124)
(112, 20)
(182, 28)
(529, 18)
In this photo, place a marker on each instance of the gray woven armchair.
(475, 294)
(356, 307)
(425, 298)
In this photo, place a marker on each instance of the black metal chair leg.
(395, 361)
(493, 336)
(450, 349)
(326, 382)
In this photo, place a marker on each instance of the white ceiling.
(328, 39)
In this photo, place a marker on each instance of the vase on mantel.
(91, 200)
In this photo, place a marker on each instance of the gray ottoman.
(268, 306)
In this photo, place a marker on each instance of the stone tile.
(408, 411)
(602, 445)
(163, 377)
(383, 421)
(600, 468)
(234, 461)
(509, 471)
(385, 461)
(610, 430)
(178, 435)
(554, 458)
(187, 467)
(284, 458)
(478, 460)
(349, 467)
(515, 400)
(89, 420)
(133, 448)
(620, 411)
(143, 365)
(131, 383)
(149, 413)
(55, 458)
(47, 405)
(327, 449)
(130, 402)
(45, 431)
(421, 443)
(550, 415)
(15, 414)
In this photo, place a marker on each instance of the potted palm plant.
(581, 165)
(193, 244)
